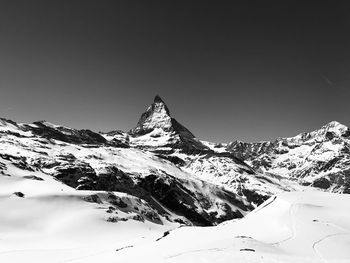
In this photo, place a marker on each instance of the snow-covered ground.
(55, 223)
(292, 227)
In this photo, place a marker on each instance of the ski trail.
(315, 244)
(292, 216)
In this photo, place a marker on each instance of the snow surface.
(53, 223)
(292, 227)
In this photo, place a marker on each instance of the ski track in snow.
(292, 218)
(315, 244)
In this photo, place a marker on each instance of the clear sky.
(227, 71)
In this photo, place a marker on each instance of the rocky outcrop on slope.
(49, 131)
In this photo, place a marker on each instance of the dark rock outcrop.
(65, 135)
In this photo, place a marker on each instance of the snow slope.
(56, 223)
(53, 222)
(292, 227)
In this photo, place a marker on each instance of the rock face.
(50, 131)
(157, 115)
(157, 128)
(320, 158)
(249, 151)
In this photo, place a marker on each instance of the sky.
(227, 70)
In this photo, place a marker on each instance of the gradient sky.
(227, 71)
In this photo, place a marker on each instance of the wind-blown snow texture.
(61, 186)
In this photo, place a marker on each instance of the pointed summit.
(167, 130)
(160, 104)
(158, 99)
(157, 115)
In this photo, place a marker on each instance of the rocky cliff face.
(156, 128)
(156, 116)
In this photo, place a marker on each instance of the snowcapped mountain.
(157, 162)
(157, 129)
(61, 186)
(84, 160)
(320, 158)
(180, 178)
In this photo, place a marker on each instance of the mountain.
(84, 160)
(179, 177)
(158, 132)
(156, 128)
(160, 162)
(64, 190)
(320, 158)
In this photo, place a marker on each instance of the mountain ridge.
(319, 158)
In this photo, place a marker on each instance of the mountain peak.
(165, 130)
(335, 127)
(157, 115)
(334, 124)
(158, 99)
(328, 130)
(159, 105)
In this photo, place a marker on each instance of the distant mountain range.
(168, 173)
